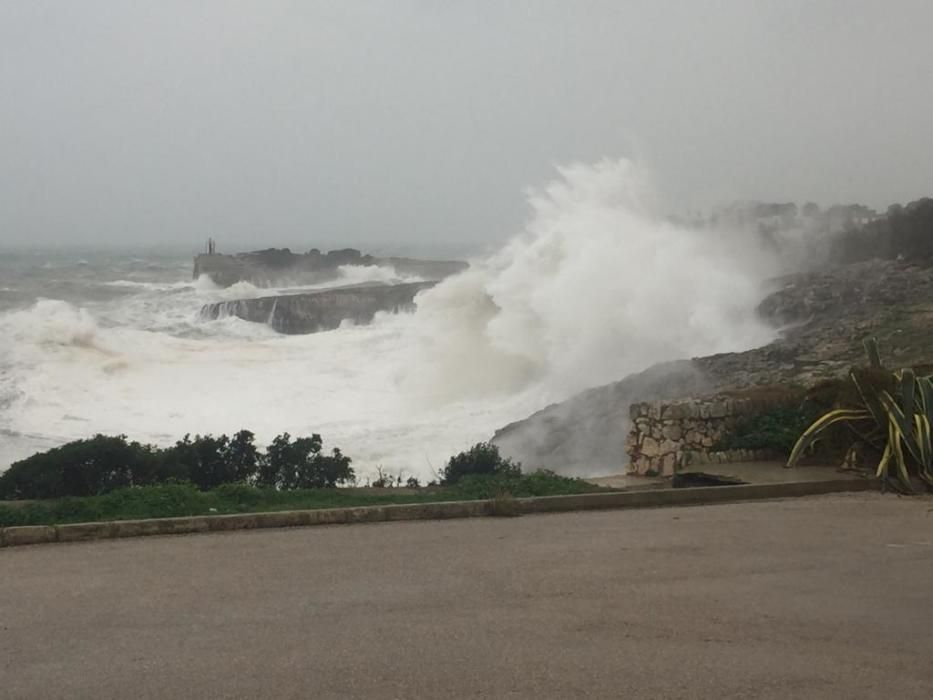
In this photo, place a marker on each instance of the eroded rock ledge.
(322, 310)
(280, 266)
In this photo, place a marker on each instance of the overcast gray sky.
(268, 122)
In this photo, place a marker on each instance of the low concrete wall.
(45, 534)
(668, 435)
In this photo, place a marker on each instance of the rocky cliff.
(823, 317)
(280, 266)
(322, 310)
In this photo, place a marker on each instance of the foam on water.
(594, 288)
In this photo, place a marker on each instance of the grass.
(175, 500)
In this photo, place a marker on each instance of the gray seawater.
(83, 277)
(101, 283)
(113, 342)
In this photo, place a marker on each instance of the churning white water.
(596, 287)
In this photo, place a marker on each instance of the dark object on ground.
(685, 480)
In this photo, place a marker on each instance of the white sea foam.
(594, 288)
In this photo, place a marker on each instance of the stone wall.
(668, 435)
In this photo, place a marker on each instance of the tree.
(81, 468)
(301, 465)
(482, 458)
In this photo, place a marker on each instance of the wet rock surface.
(322, 310)
(280, 266)
(823, 318)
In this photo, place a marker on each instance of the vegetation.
(108, 478)
(539, 483)
(175, 500)
(777, 416)
(103, 464)
(904, 231)
(892, 417)
(775, 429)
(483, 458)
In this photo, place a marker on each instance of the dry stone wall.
(667, 436)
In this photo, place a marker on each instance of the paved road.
(825, 597)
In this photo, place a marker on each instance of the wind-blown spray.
(595, 287)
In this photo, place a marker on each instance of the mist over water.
(594, 288)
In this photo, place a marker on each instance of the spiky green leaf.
(871, 349)
(819, 425)
(903, 428)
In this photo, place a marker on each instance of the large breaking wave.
(595, 287)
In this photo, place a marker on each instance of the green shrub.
(133, 503)
(539, 483)
(481, 459)
(208, 462)
(81, 468)
(776, 429)
(893, 418)
(103, 464)
(302, 465)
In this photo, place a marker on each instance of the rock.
(274, 266)
(650, 447)
(320, 311)
(718, 409)
(820, 320)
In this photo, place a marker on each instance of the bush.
(777, 429)
(539, 483)
(893, 420)
(208, 462)
(481, 459)
(103, 464)
(81, 468)
(302, 465)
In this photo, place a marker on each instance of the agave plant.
(895, 418)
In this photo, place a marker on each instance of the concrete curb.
(44, 534)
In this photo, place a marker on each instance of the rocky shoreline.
(323, 310)
(823, 318)
(279, 266)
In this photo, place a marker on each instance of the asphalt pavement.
(821, 597)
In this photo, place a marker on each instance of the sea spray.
(595, 287)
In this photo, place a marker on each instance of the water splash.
(595, 287)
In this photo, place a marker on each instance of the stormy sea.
(594, 287)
